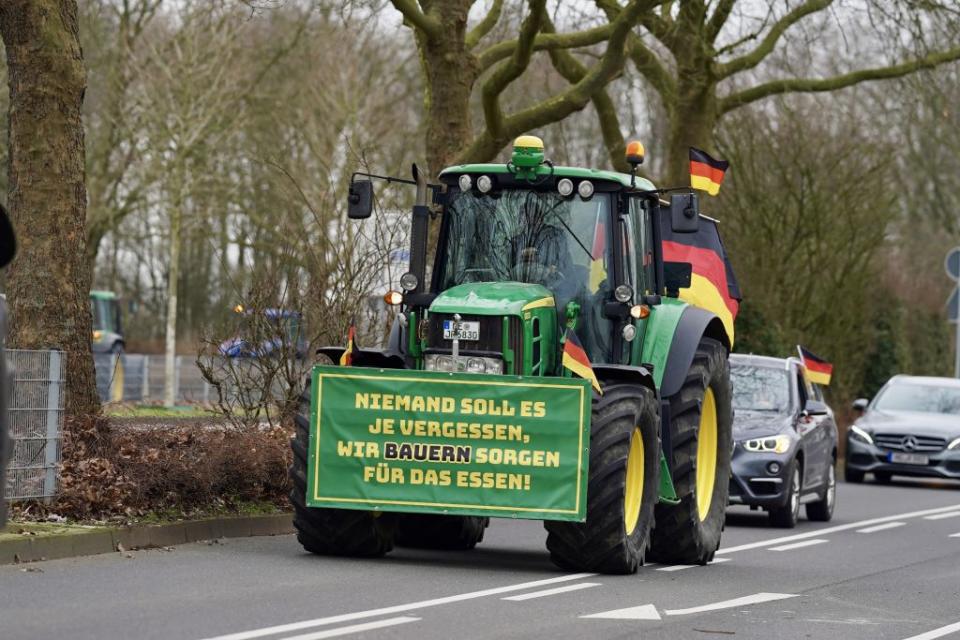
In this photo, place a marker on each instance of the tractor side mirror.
(676, 276)
(360, 200)
(860, 405)
(684, 213)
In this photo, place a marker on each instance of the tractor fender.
(694, 324)
(613, 373)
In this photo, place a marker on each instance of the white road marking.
(955, 535)
(680, 567)
(400, 608)
(942, 516)
(756, 598)
(798, 545)
(937, 633)
(643, 612)
(354, 628)
(882, 527)
(841, 527)
(552, 592)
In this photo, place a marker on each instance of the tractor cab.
(107, 322)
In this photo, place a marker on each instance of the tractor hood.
(492, 298)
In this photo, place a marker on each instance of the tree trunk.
(693, 120)
(450, 72)
(49, 282)
(173, 277)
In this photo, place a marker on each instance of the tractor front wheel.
(701, 435)
(622, 488)
(339, 532)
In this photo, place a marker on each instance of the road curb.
(88, 542)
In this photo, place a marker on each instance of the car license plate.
(466, 330)
(908, 458)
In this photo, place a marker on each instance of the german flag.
(819, 371)
(347, 358)
(713, 285)
(575, 359)
(706, 173)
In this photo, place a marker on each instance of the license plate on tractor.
(908, 458)
(465, 330)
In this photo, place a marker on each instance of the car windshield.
(923, 398)
(760, 388)
(522, 235)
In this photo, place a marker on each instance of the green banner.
(432, 442)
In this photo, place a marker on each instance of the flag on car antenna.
(706, 172)
(575, 359)
(819, 371)
(347, 358)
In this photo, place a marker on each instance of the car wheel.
(787, 515)
(883, 477)
(822, 509)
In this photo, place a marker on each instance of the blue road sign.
(952, 263)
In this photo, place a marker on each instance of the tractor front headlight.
(774, 444)
(462, 364)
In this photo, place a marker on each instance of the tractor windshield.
(536, 237)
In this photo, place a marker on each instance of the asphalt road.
(887, 566)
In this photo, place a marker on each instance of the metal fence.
(133, 377)
(36, 421)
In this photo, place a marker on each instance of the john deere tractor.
(546, 369)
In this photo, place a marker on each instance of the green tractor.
(546, 370)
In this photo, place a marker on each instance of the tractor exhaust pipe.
(419, 229)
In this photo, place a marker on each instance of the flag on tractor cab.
(819, 371)
(575, 359)
(706, 172)
(713, 285)
(347, 358)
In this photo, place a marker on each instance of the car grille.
(491, 336)
(899, 442)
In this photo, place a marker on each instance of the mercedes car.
(785, 441)
(911, 428)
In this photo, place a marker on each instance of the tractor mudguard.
(694, 324)
(613, 373)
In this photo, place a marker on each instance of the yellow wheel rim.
(634, 493)
(706, 454)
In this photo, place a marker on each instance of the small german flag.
(819, 370)
(706, 173)
(575, 359)
(347, 358)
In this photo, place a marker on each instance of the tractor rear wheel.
(340, 532)
(451, 533)
(701, 435)
(622, 488)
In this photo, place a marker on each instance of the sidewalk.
(30, 542)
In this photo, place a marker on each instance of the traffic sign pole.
(952, 266)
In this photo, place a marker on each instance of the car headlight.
(955, 444)
(859, 434)
(776, 444)
(465, 364)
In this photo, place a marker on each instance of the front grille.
(491, 336)
(919, 444)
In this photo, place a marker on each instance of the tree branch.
(428, 25)
(808, 85)
(719, 18)
(545, 42)
(644, 59)
(513, 68)
(487, 145)
(765, 48)
(485, 26)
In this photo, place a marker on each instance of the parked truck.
(547, 369)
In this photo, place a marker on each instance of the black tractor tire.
(622, 419)
(822, 509)
(337, 532)
(682, 536)
(786, 516)
(852, 476)
(448, 533)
